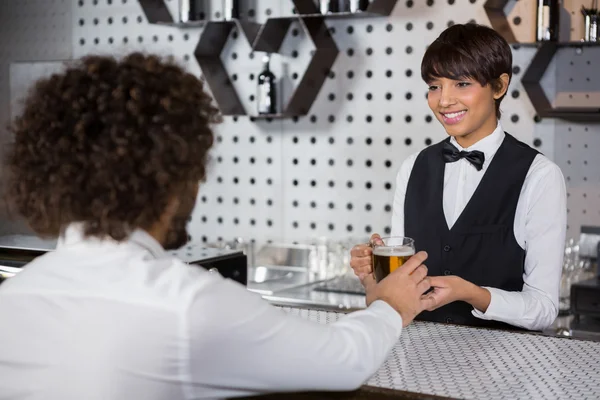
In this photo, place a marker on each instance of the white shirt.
(103, 320)
(539, 228)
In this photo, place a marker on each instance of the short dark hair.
(469, 51)
(107, 143)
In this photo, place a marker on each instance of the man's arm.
(241, 345)
(536, 306)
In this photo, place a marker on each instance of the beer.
(387, 259)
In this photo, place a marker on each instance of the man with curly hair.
(107, 157)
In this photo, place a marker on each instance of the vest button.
(448, 320)
(447, 272)
(447, 248)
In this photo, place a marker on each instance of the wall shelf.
(185, 25)
(156, 11)
(269, 117)
(266, 38)
(208, 54)
(377, 8)
(542, 105)
(495, 12)
(323, 56)
(558, 44)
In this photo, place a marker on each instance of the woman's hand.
(448, 289)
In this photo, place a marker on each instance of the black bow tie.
(452, 154)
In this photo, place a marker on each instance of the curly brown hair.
(107, 143)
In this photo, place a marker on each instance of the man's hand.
(403, 289)
(361, 260)
(448, 289)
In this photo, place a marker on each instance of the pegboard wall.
(332, 172)
(30, 30)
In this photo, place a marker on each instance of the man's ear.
(501, 86)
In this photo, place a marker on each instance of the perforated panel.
(579, 85)
(31, 30)
(469, 363)
(332, 172)
(339, 163)
(21, 76)
(578, 156)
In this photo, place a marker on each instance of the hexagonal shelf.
(531, 83)
(208, 54)
(377, 8)
(156, 11)
(266, 38)
(495, 12)
(323, 56)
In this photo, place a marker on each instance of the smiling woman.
(472, 52)
(478, 202)
(468, 70)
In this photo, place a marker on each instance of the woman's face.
(465, 108)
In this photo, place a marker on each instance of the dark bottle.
(359, 5)
(344, 6)
(329, 6)
(267, 89)
(187, 10)
(231, 9)
(548, 12)
(191, 10)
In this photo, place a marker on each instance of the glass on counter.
(575, 269)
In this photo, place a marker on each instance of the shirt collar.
(73, 235)
(489, 145)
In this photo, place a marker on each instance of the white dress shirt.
(101, 320)
(539, 228)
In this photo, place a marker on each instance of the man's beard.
(178, 235)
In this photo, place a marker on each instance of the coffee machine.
(585, 295)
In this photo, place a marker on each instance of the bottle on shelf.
(329, 6)
(591, 18)
(186, 10)
(267, 89)
(547, 20)
(231, 9)
(191, 10)
(344, 6)
(359, 5)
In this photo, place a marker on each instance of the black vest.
(481, 247)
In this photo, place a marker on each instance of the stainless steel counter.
(298, 290)
(306, 296)
(296, 286)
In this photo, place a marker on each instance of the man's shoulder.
(173, 277)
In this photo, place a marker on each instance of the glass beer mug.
(390, 254)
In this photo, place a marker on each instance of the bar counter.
(442, 361)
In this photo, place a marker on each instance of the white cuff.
(387, 312)
(494, 310)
